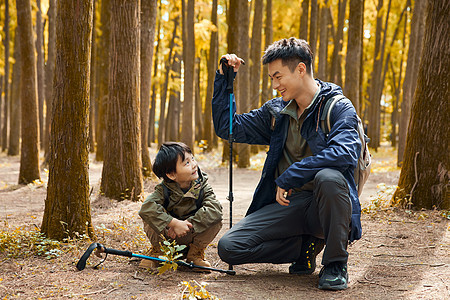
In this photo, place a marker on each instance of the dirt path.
(402, 255)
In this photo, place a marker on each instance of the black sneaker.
(333, 276)
(306, 263)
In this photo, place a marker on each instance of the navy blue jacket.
(340, 150)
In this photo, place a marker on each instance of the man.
(307, 194)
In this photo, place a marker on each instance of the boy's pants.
(273, 233)
(201, 240)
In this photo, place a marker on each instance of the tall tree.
(67, 206)
(336, 70)
(323, 41)
(313, 27)
(14, 130)
(93, 81)
(255, 54)
(40, 70)
(148, 22)
(266, 93)
(4, 138)
(352, 67)
(187, 134)
(303, 34)
(243, 92)
(29, 155)
(424, 176)
(49, 74)
(103, 76)
(173, 111)
(211, 66)
(412, 67)
(122, 167)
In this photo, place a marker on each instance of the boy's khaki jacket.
(182, 204)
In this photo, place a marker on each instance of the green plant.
(171, 253)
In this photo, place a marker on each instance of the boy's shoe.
(151, 264)
(333, 276)
(196, 255)
(306, 263)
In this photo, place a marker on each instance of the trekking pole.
(228, 72)
(102, 249)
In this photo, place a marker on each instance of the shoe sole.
(333, 287)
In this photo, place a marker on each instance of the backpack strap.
(325, 118)
(167, 193)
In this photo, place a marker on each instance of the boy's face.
(186, 171)
(288, 83)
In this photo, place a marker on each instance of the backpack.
(364, 164)
(198, 201)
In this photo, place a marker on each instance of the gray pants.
(273, 233)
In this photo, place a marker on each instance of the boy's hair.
(167, 158)
(291, 51)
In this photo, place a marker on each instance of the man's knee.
(330, 181)
(223, 248)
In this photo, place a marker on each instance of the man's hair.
(167, 158)
(291, 51)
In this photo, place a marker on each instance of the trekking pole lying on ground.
(102, 249)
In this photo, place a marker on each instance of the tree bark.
(352, 67)
(93, 80)
(173, 111)
(151, 122)
(313, 21)
(303, 34)
(412, 67)
(424, 176)
(211, 66)
(29, 155)
(165, 87)
(122, 168)
(323, 42)
(198, 102)
(40, 71)
(14, 130)
(4, 138)
(67, 206)
(336, 71)
(49, 75)
(187, 134)
(266, 89)
(148, 22)
(103, 77)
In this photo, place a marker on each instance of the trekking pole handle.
(103, 249)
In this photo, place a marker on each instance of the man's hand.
(282, 195)
(233, 61)
(178, 228)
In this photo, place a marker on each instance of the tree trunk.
(164, 89)
(173, 112)
(148, 22)
(29, 155)
(187, 134)
(14, 130)
(424, 176)
(266, 90)
(49, 75)
(151, 122)
(303, 33)
(103, 76)
(93, 80)
(352, 68)
(211, 66)
(336, 70)
(40, 71)
(255, 54)
(67, 206)
(412, 67)
(198, 102)
(313, 28)
(323, 42)
(122, 168)
(4, 138)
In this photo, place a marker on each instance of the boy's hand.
(233, 61)
(178, 228)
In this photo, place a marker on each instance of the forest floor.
(403, 254)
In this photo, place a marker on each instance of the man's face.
(186, 170)
(288, 83)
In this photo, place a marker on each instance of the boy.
(183, 206)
